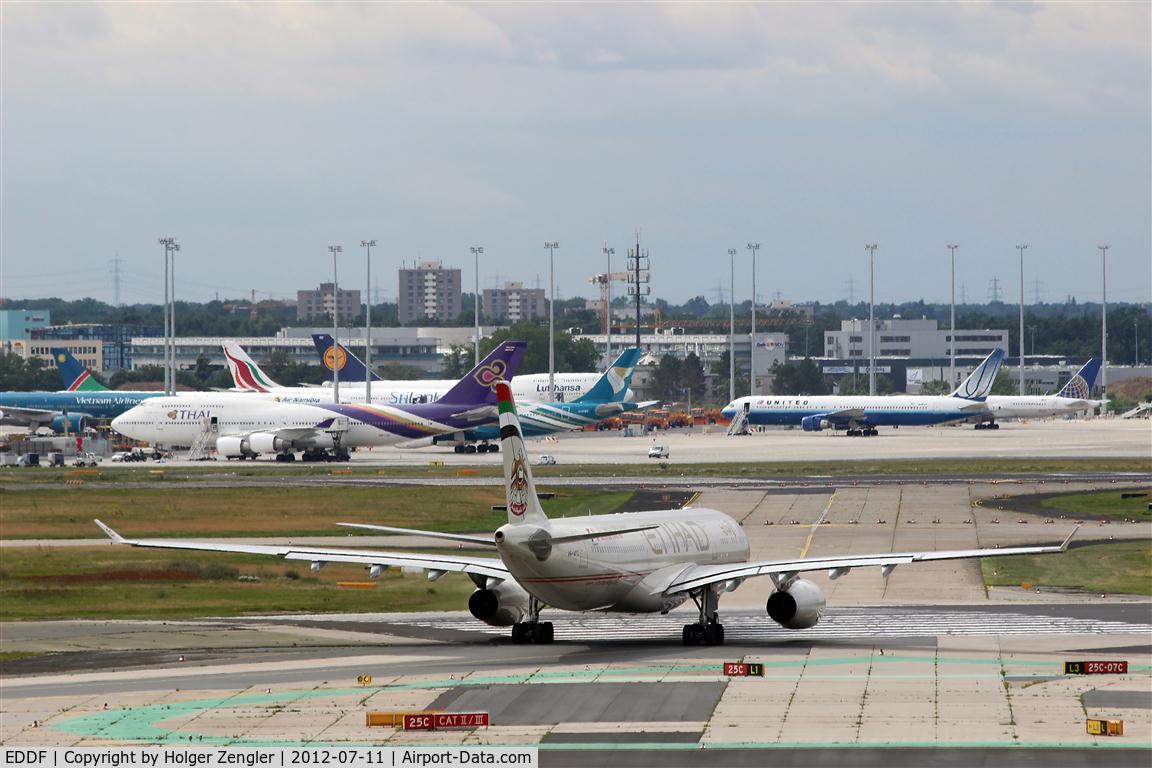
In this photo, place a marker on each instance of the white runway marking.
(842, 623)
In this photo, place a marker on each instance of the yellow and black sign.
(1105, 727)
(364, 679)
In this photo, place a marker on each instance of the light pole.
(368, 245)
(1022, 248)
(608, 253)
(752, 347)
(1104, 328)
(476, 251)
(952, 324)
(551, 245)
(170, 248)
(871, 248)
(732, 324)
(335, 249)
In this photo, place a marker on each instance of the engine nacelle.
(501, 606)
(798, 606)
(67, 422)
(266, 442)
(232, 447)
(813, 423)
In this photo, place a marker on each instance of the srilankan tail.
(478, 386)
(245, 373)
(612, 387)
(351, 368)
(979, 382)
(519, 487)
(75, 376)
(1079, 387)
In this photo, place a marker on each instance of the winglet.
(1064, 545)
(116, 538)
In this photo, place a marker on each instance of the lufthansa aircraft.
(634, 562)
(861, 414)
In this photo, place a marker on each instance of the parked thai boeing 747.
(861, 414)
(633, 562)
(246, 424)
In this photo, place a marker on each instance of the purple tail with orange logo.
(478, 387)
(519, 487)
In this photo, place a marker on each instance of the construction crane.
(605, 280)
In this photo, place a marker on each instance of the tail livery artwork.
(245, 373)
(632, 562)
(75, 376)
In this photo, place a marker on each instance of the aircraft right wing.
(479, 568)
(696, 576)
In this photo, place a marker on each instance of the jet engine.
(797, 606)
(231, 447)
(500, 606)
(813, 423)
(266, 442)
(69, 422)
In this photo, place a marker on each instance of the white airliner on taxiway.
(635, 562)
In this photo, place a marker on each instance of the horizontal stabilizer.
(599, 534)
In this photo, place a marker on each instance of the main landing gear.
(865, 432)
(533, 630)
(987, 425)
(708, 630)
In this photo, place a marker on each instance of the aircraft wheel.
(713, 635)
(469, 449)
(519, 634)
(458, 449)
(543, 633)
(994, 425)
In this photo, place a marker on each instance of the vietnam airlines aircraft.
(1073, 398)
(861, 414)
(632, 562)
(245, 424)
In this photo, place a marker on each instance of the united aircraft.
(862, 414)
(245, 424)
(1074, 397)
(634, 562)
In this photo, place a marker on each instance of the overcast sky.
(259, 133)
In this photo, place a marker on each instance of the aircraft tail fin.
(979, 382)
(519, 487)
(1079, 387)
(352, 368)
(612, 387)
(245, 373)
(75, 376)
(478, 387)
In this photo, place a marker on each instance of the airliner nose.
(118, 422)
(728, 411)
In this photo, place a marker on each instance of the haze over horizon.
(258, 134)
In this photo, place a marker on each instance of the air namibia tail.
(245, 373)
(76, 377)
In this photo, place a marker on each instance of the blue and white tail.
(979, 382)
(478, 387)
(351, 368)
(612, 387)
(75, 376)
(519, 487)
(1079, 387)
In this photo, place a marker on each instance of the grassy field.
(1122, 567)
(1103, 504)
(186, 510)
(128, 583)
(233, 472)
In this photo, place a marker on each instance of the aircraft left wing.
(483, 567)
(697, 576)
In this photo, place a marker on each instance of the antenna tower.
(994, 293)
